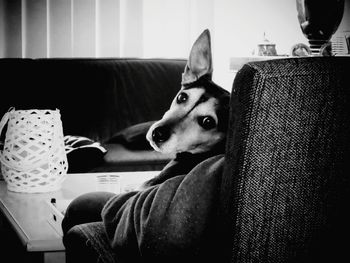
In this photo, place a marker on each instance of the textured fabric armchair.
(285, 189)
(285, 180)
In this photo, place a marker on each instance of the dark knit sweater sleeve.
(165, 222)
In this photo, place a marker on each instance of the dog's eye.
(181, 98)
(207, 122)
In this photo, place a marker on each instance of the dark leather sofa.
(97, 99)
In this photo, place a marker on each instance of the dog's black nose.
(160, 134)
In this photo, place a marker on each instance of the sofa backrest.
(286, 185)
(96, 97)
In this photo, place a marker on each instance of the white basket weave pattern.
(33, 159)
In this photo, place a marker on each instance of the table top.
(29, 215)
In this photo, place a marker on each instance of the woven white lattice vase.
(33, 159)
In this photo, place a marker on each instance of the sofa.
(284, 190)
(109, 101)
(286, 185)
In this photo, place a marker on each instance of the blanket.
(171, 219)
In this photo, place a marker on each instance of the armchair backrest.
(285, 188)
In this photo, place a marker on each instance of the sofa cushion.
(119, 158)
(83, 153)
(133, 137)
(129, 150)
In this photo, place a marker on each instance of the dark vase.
(319, 19)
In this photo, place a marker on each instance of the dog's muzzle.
(160, 134)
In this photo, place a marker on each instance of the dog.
(197, 119)
(194, 128)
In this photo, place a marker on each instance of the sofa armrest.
(286, 188)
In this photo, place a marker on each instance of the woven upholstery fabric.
(286, 182)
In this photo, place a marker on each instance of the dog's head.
(196, 121)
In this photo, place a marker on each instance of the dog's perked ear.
(200, 60)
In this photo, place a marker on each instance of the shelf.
(236, 63)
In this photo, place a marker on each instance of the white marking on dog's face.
(191, 123)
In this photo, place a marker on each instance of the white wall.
(239, 26)
(166, 27)
(147, 28)
(34, 28)
(84, 30)
(107, 28)
(170, 27)
(131, 28)
(11, 43)
(60, 28)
